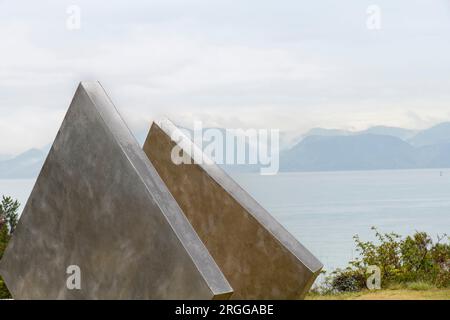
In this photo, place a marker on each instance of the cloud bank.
(291, 65)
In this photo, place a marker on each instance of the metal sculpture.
(100, 212)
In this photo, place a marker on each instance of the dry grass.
(387, 294)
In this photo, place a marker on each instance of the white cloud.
(252, 63)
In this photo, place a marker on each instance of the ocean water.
(323, 210)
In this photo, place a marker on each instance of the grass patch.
(386, 294)
(419, 286)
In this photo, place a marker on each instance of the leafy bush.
(415, 260)
(347, 280)
(4, 293)
(8, 213)
(4, 238)
(8, 223)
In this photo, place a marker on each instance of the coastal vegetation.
(392, 263)
(8, 222)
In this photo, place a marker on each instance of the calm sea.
(325, 209)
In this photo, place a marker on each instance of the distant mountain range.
(319, 149)
(372, 149)
(25, 165)
(439, 134)
(400, 133)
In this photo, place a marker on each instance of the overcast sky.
(287, 64)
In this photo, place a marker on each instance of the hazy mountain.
(320, 150)
(400, 133)
(378, 147)
(5, 157)
(355, 152)
(439, 134)
(434, 156)
(25, 165)
(327, 132)
(380, 130)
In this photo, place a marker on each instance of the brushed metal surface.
(259, 257)
(99, 203)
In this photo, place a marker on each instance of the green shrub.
(347, 280)
(4, 237)
(8, 222)
(4, 293)
(415, 261)
(9, 213)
